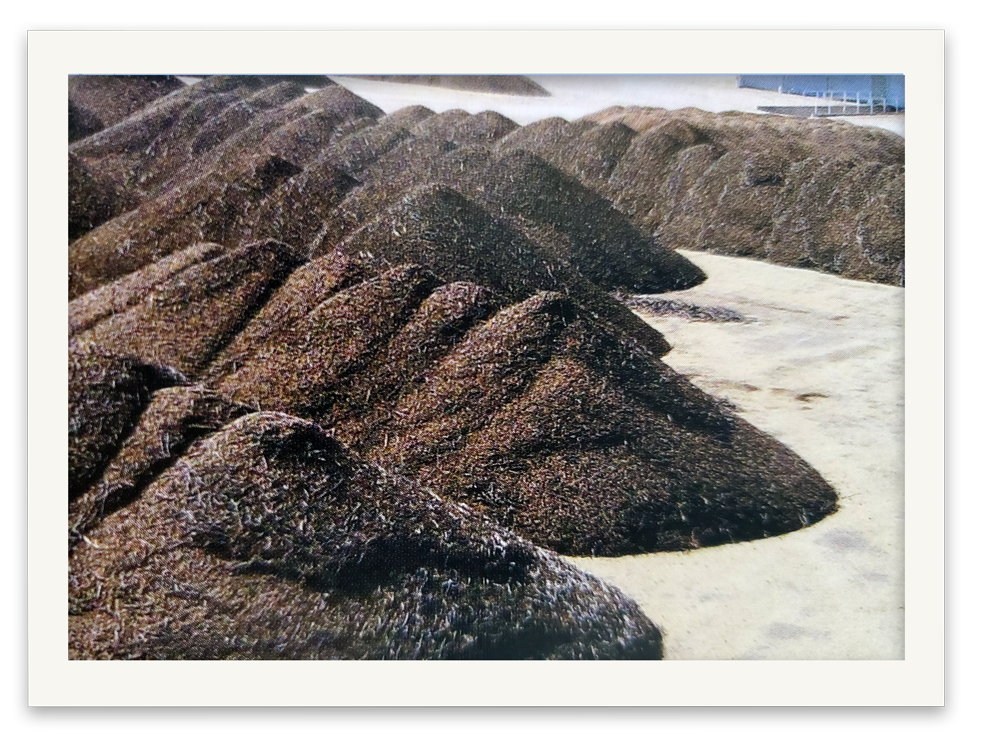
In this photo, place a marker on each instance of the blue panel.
(853, 85)
(897, 91)
(856, 87)
(804, 83)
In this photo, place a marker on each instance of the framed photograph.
(446, 377)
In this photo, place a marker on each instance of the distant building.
(862, 88)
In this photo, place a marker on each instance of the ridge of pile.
(538, 411)
(213, 560)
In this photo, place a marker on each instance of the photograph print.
(486, 366)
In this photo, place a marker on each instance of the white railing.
(831, 100)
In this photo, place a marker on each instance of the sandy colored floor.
(818, 365)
